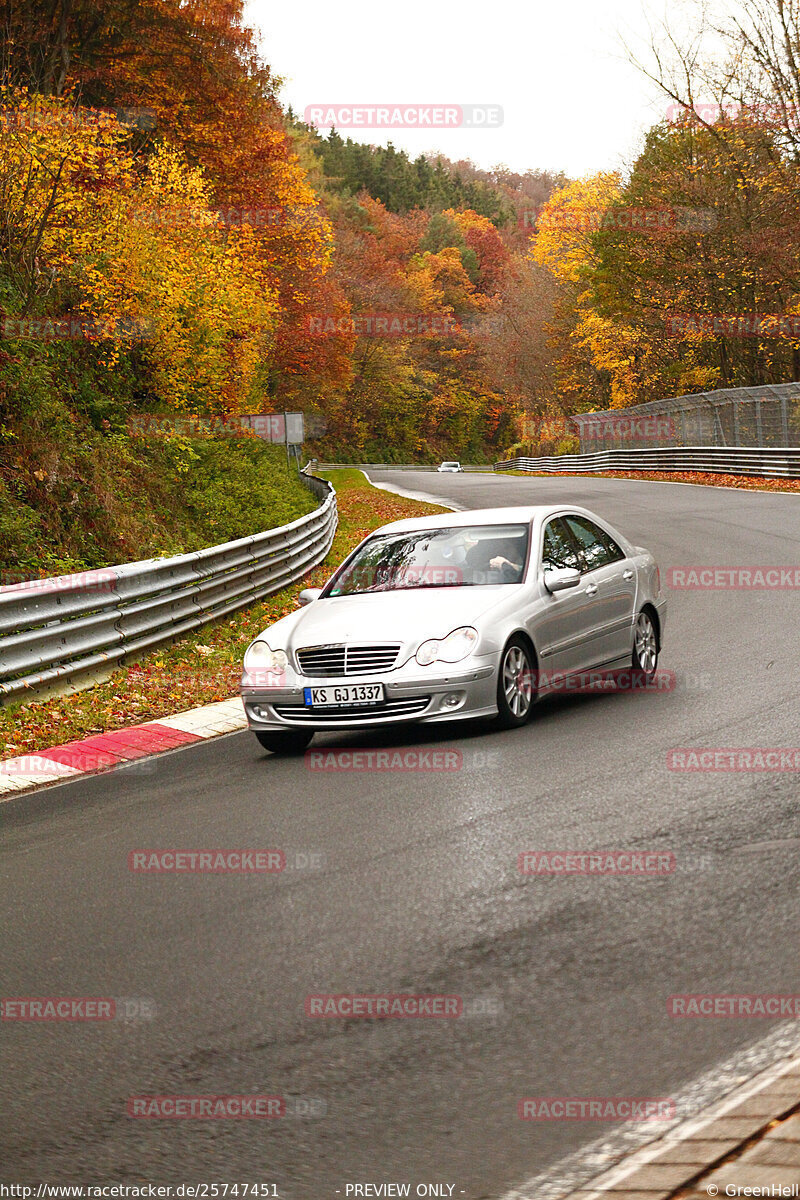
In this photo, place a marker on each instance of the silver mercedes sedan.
(463, 615)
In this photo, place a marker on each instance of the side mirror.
(562, 579)
(309, 594)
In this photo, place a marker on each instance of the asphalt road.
(564, 980)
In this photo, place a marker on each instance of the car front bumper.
(412, 694)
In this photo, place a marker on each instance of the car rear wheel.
(645, 645)
(294, 741)
(515, 690)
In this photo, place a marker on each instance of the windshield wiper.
(410, 587)
(418, 587)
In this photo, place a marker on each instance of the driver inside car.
(509, 559)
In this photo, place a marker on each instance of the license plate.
(347, 696)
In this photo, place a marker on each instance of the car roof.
(483, 516)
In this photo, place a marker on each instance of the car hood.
(406, 616)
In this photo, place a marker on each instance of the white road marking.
(428, 499)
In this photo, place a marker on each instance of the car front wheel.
(645, 645)
(515, 688)
(294, 741)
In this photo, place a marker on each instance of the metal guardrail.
(773, 462)
(62, 630)
(331, 466)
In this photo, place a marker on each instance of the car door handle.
(627, 574)
(591, 590)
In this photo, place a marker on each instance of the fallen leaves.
(707, 479)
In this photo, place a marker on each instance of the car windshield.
(469, 556)
(450, 464)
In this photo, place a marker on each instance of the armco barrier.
(59, 631)
(773, 463)
(331, 466)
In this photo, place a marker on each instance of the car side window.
(597, 547)
(557, 548)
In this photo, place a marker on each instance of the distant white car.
(449, 467)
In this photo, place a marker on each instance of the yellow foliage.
(563, 243)
(142, 249)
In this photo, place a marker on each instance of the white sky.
(570, 99)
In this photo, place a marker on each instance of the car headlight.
(258, 657)
(452, 649)
(428, 652)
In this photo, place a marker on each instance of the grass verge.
(206, 666)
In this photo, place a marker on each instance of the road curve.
(565, 980)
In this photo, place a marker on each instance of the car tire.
(644, 658)
(294, 741)
(516, 692)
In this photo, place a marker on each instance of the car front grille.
(331, 661)
(390, 710)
